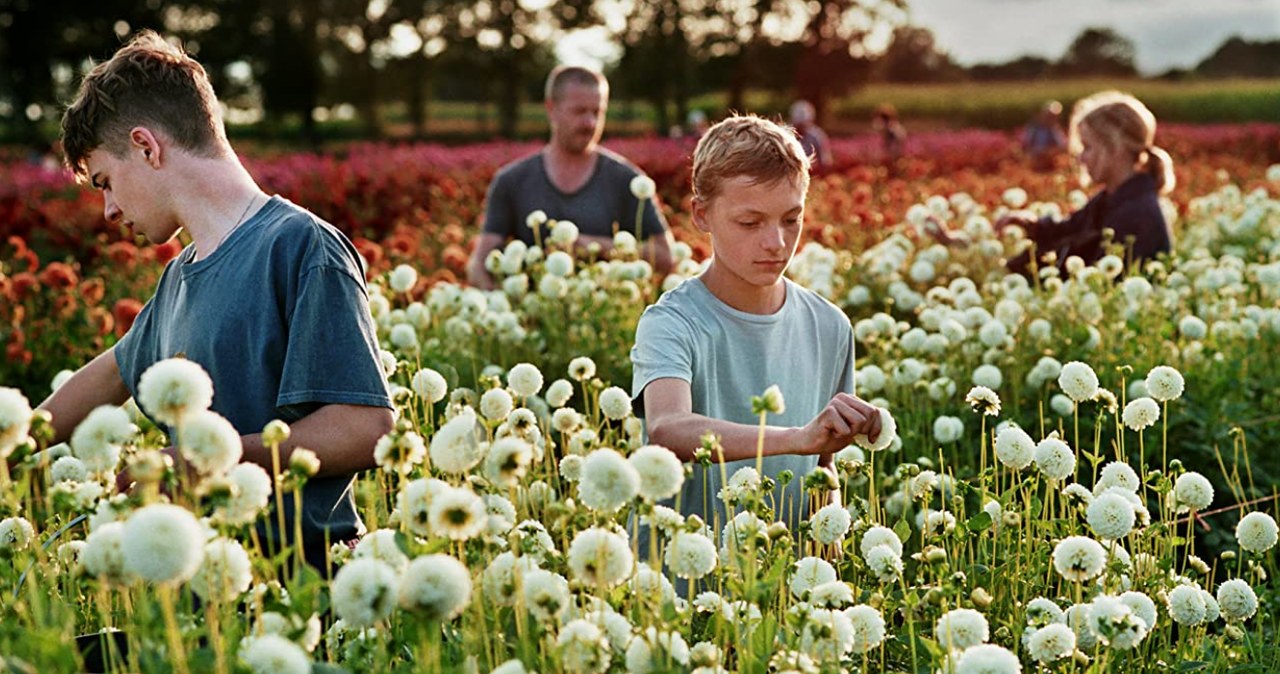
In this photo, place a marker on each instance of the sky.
(1166, 33)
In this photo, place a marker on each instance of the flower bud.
(275, 432)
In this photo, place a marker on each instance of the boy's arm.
(342, 436)
(668, 404)
(98, 383)
(477, 275)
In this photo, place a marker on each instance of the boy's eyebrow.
(755, 211)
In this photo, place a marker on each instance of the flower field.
(1081, 475)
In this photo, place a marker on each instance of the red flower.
(125, 311)
(167, 250)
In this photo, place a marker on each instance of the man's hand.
(844, 418)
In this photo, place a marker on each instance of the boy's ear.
(144, 142)
(700, 215)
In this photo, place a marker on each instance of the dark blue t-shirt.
(279, 317)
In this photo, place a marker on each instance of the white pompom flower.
(987, 659)
(830, 523)
(1186, 605)
(868, 627)
(691, 555)
(1164, 383)
(1014, 448)
(454, 448)
(173, 388)
(402, 278)
(600, 558)
(1192, 491)
(661, 472)
(1052, 642)
(274, 654)
(1111, 516)
(210, 443)
(99, 439)
(608, 481)
(1078, 381)
(224, 574)
(435, 587)
(888, 432)
(809, 573)
(15, 419)
(364, 592)
(1237, 600)
(1078, 558)
(525, 379)
(163, 544)
(615, 404)
(1256, 532)
(961, 628)
(1141, 413)
(1054, 458)
(429, 385)
(496, 404)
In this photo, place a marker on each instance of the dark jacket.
(1132, 211)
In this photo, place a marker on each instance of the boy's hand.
(836, 425)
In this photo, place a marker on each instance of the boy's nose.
(773, 239)
(111, 211)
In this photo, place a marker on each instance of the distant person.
(893, 136)
(696, 123)
(571, 178)
(1043, 138)
(1112, 135)
(812, 138)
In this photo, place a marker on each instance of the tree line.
(290, 57)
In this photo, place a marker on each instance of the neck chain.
(253, 199)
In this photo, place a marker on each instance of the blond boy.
(709, 345)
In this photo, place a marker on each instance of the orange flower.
(167, 250)
(24, 283)
(64, 305)
(59, 275)
(101, 320)
(123, 253)
(92, 291)
(125, 311)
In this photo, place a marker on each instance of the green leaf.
(979, 522)
(903, 530)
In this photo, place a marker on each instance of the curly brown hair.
(148, 82)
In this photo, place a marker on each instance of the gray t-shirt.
(523, 186)
(728, 356)
(279, 317)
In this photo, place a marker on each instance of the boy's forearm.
(98, 383)
(683, 434)
(342, 437)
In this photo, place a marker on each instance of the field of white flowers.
(1066, 485)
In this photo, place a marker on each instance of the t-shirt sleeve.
(499, 213)
(663, 349)
(848, 381)
(136, 349)
(654, 223)
(332, 349)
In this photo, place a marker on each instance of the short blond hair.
(751, 146)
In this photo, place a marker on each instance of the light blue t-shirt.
(728, 356)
